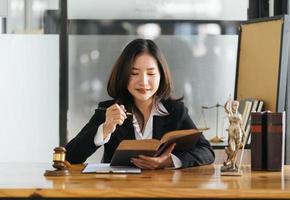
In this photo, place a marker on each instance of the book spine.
(247, 114)
(260, 106)
(248, 127)
(257, 147)
(274, 141)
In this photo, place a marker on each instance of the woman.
(140, 84)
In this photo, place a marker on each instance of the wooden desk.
(27, 180)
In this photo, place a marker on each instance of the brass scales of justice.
(216, 138)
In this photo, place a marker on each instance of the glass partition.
(159, 9)
(29, 81)
(29, 85)
(27, 16)
(199, 39)
(202, 66)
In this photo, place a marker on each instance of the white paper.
(106, 168)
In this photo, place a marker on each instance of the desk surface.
(27, 180)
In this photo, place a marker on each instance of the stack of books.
(267, 140)
(247, 106)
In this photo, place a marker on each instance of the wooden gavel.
(59, 163)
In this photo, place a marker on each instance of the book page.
(148, 144)
(178, 133)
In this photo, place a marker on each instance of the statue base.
(229, 170)
(233, 173)
(57, 172)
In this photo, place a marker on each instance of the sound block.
(56, 173)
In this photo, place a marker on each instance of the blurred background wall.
(56, 56)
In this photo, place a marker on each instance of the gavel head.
(59, 158)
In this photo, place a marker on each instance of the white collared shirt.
(148, 131)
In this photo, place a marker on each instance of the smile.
(142, 90)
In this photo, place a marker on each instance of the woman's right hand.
(115, 115)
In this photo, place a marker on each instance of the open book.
(127, 149)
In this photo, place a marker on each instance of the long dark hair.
(119, 79)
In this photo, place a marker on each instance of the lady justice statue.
(236, 136)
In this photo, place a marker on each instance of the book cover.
(248, 121)
(258, 153)
(260, 106)
(246, 108)
(274, 140)
(127, 149)
(242, 106)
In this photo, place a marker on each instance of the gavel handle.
(68, 165)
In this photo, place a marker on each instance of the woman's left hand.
(162, 161)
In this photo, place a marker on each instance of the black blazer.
(83, 146)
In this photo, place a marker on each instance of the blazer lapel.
(127, 130)
(160, 126)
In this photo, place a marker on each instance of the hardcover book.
(267, 146)
(274, 135)
(127, 149)
(258, 151)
